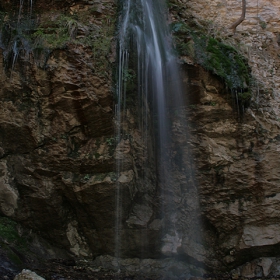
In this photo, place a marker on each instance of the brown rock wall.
(237, 157)
(55, 132)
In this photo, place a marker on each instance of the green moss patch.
(9, 234)
(8, 230)
(215, 56)
(226, 62)
(11, 242)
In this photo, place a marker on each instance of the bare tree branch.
(236, 23)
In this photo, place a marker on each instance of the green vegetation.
(129, 75)
(244, 97)
(263, 24)
(30, 38)
(111, 141)
(11, 241)
(225, 61)
(86, 177)
(97, 177)
(215, 56)
(55, 35)
(78, 29)
(129, 79)
(8, 231)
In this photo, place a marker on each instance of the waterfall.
(145, 47)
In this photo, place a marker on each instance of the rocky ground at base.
(58, 269)
(7, 269)
(52, 274)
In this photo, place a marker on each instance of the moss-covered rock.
(214, 55)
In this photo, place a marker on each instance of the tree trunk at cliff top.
(242, 17)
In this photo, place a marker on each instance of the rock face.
(237, 156)
(58, 147)
(53, 127)
(56, 137)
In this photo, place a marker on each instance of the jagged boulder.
(27, 274)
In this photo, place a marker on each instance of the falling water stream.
(145, 39)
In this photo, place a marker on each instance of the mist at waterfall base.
(147, 58)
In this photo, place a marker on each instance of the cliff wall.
(58, 147)
(237, 154)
